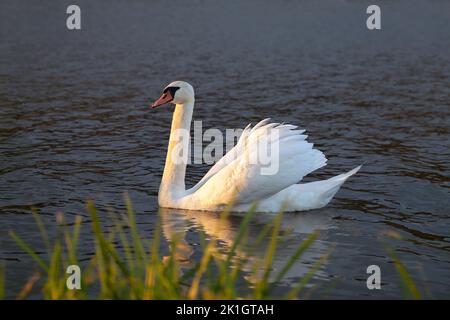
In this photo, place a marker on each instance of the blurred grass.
(410, 287)
(128, 266)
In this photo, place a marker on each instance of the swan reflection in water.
(178, 225)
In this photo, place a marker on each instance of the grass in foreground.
(139, 271)
(409, 286)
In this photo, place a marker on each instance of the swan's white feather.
(301, 197)
(236, 179)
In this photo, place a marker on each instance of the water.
(75, 122)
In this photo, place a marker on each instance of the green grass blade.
(242, 229)
(25, 247)
(270, 253)
(42, 230)
(298, 253)
(137, 242)
(308, 276)
(408, 282)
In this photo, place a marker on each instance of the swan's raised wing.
(231, 155)
(246, 173)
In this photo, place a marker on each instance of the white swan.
(236, 179)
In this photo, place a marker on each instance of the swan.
(237, 181)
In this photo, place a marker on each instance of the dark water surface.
(75, 122)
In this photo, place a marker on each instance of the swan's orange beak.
(165, 98)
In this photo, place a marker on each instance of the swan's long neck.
(172, 184)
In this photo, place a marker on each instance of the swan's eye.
(171, 90)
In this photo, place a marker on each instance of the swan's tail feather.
(313, 195)
(345, 176)
(318, 194)
(305, 196)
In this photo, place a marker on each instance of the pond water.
(75, 123)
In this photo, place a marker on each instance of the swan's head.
(177, 92)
